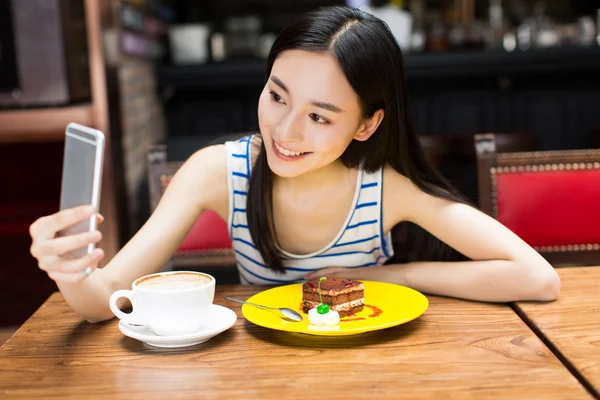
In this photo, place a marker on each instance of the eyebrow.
(320, 104)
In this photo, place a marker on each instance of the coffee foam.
(177, 281)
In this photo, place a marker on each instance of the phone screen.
(82, 171)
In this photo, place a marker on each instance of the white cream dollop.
(330, 318)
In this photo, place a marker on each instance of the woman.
(335, 184)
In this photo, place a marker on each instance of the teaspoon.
(286, 312)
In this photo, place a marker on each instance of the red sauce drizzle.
(376, 312)
(311, 285)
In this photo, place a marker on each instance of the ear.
(369, 126)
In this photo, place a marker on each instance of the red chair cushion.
(209, 232)
(551, 208)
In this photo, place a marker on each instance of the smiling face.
(308, 113)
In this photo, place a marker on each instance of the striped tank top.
(360, 242)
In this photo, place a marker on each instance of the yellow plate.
(398, 305)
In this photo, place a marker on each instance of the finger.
(47, 227)
(47, 263)
(63, 245)
(68, 278)
(331, 271)
(79, 264)
(55, 264)
(310, 276)
(315, 274)
(100, 218)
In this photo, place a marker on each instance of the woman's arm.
(200, 184)
(504, 267)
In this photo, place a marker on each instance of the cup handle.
(131, 318)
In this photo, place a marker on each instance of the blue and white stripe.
(360, 242)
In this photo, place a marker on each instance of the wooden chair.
(207, 247)
(549, 198)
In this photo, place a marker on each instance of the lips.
(287, 154)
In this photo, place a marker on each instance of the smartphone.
(81, 177)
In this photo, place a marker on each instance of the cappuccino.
(174, 281)
(170, 303)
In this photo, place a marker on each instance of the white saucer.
(219, 320)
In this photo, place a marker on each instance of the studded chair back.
(549, 198)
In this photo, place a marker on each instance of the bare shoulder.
(396, 186)
(211, 159)
(203, 177)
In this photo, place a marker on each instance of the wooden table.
(571, 324)
(457, 350)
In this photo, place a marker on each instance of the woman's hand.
(340, 272)
(50, 250)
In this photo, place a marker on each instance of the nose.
(289, 128)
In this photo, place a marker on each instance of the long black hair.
(372, 63)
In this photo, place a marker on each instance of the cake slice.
(346, 296)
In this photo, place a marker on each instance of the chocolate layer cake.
(346, 296)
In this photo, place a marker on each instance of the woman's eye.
(276, 98)
(318, 119)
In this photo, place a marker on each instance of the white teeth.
(286, 152)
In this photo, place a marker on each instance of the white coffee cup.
(170, 303)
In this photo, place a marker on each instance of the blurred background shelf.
(42, 124)
(466, 64)
(418, 66)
